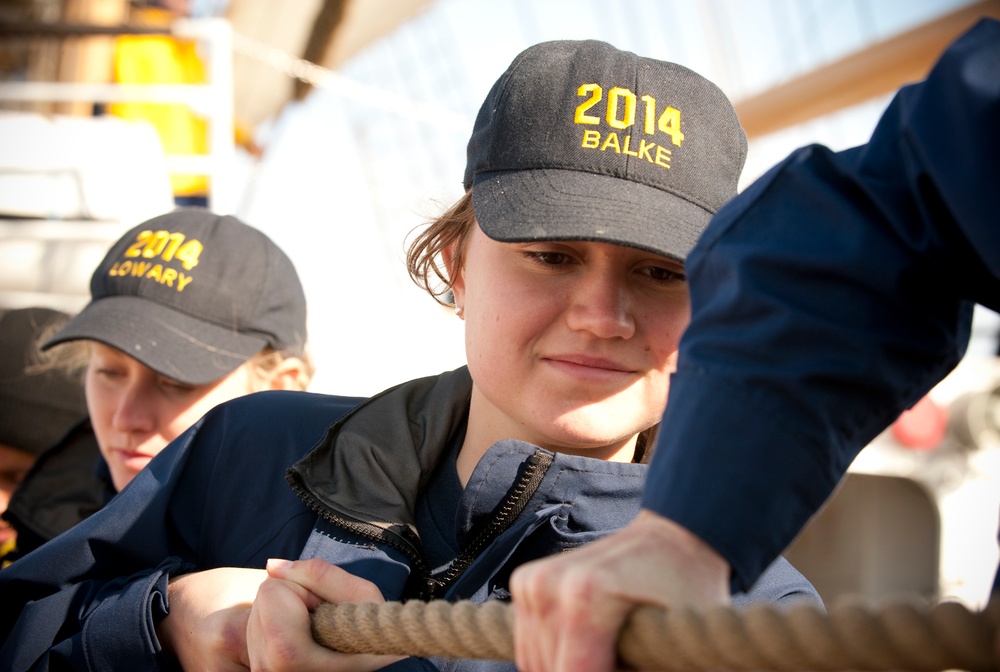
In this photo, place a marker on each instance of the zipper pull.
(431, 587)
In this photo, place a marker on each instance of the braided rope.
(896, 636)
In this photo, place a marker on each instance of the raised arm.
(826, 299)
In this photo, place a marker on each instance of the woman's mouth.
(132, 460)
(590, 367)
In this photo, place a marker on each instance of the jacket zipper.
(504, 516)
(366, 530)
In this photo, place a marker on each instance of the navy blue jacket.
(828, 297)
(220, 495)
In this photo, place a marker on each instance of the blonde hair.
(73, 357)
(425, 257)
(267, 360)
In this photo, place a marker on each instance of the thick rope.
(895, 636)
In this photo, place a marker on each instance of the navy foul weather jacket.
(223, 495)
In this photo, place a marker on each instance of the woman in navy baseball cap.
(187, 310)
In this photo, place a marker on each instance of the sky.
(349, 172)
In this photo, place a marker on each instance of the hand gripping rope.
(900, 635)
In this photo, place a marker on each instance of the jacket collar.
(598, 495)
(374, 460)
(372, 464)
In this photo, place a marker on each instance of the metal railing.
(213, 100)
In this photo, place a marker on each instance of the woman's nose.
(134, 410)
(600, 304)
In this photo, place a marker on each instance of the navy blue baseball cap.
(193, 295)
(38, 405)
(578, 140)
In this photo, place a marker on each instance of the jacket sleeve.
(90, 599)
(828, 297)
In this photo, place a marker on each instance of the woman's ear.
(290, 374)
(455, 274)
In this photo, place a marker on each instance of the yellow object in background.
(165, 60)
(5, 548)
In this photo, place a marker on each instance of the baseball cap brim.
(554, 204)
(169, 342)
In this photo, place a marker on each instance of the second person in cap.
(187, 310)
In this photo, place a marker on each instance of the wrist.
(690, 549)
(166, 626)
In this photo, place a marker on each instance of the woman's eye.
(548, 258)
(175, 385)
(664, 276)
(109, 373)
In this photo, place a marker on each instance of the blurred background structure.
(338, 126)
